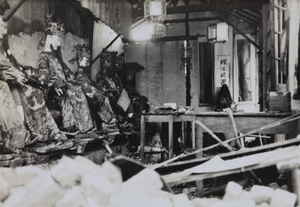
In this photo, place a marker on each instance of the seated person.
(53, 73)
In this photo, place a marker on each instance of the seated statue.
(54, 74)
(98, 102)
(24, 117)
(109, 82)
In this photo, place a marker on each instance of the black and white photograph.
(149, 103)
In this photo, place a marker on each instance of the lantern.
(155, 13)
(155, 10)
(217, 32)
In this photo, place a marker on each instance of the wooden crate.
(279, 101)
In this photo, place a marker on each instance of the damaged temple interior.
(161, 103)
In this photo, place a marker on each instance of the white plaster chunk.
(233, 191)
(4, 189)
(66, 172)
(233, 203)
(149, 178)
(180, 200)
(261, 194)
(283, 198)
(41, 191)
(205, 202)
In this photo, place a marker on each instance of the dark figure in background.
(54, 74)
(224, 99)
(139, 103)
(98, 102)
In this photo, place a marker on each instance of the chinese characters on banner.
(224, 67)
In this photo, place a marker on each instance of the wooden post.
(142, 138)
(170, 136)
(193, 132)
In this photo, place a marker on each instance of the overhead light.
(155, 10)
(217, 32)
(155, 13)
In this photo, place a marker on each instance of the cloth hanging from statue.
(124, 100)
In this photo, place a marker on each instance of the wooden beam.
(252, 13)
(243, 19)
(246, 4)
(167, 39)
(246, 16)
(13, 10)
(263, 60)
(239, 31)
(191, 20)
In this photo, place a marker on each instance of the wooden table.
(218, 122)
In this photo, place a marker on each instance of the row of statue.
(48, 102)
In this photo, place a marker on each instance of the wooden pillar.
(142, 138)
(263, 58)
(171, 136)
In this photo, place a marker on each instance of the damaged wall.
(26, 26)
(24, 48)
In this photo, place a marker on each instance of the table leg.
(193, 133)
(170, 136)
(142, 138)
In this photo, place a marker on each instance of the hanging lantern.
(217, 32)
(159, 31)
(155, 10)
(155, 13)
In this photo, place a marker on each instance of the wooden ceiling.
(243, 10)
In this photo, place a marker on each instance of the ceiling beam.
(212, 6)
(168, 39)
(243, 18)
(171, 21)
(245, 15)
(253, 14)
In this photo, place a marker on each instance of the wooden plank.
(50, 148)
(181, 165)
(282, 155)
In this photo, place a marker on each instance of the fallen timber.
(183, 155)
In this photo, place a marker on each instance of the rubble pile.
(257, 196)
(79, 182)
